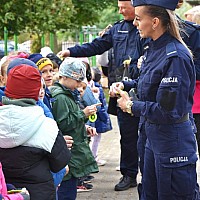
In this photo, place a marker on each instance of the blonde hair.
(196, 18)
(193, 11)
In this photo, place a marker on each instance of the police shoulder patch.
(119, 21)
(171, 50)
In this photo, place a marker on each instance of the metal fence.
(66, 45)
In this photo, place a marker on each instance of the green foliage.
(11, 16)
(108, 16)
(35, 16)
(89, 12)
(49, 16)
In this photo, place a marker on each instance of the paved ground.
(106, 179)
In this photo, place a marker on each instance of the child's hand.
(91, 131)
(69, 141)
(67, 170)
(90, 110)
(95, 89)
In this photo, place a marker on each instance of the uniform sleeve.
(174, 96)
(130, 84)
(141, 44)
(60, 154)
(96, 47)
(194, 42)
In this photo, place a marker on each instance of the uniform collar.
(163, 40)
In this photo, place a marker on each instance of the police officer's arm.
(194, 42)
(174, 95)
(96, 47)
(141, 45)
(119, 86)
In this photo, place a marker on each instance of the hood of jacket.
(59, 89)
(26, 126)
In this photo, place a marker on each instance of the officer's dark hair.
(168, 20)
(159, 12)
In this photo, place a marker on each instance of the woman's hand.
(114, 87)
(122, 101)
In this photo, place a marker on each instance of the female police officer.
(165, 89)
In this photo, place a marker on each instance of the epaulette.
(118, 22)
(171, 50)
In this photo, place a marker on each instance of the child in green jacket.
(71, 121)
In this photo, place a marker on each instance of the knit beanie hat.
(40, 61)
(54, 58)
(73, 68)
(20, 61)
(23, 81)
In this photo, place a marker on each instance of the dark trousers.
(128, 126)
(170, 163)
(141, 146)
(68, 189)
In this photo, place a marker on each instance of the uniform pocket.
(150, 85)
(119, 38)
(177, 174)
(119, 41)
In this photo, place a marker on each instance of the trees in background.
(41, 17)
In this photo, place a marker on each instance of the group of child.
(69, 92)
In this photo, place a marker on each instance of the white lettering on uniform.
(170, 80)
(178, 159)
(122, 31)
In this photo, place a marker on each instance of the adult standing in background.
(189, 15)
(122, 37)
(193, 15)
(165, 89)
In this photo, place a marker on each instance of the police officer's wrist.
(129, 105)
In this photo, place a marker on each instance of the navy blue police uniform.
(122, 38)
(165, 90)
(190, 34)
